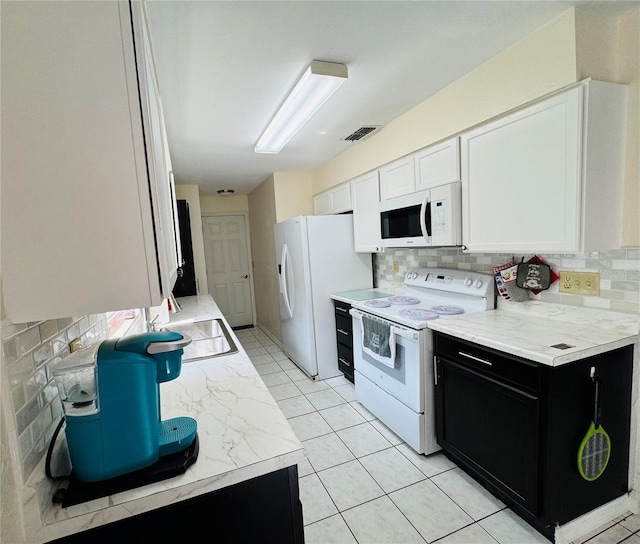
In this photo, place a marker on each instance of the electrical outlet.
(75, 344)
(395, 266)
(580, 283)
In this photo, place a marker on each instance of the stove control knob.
(468, 281)
(478, 283)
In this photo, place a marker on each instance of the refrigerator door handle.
(286, 266)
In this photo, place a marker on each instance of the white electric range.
(397, 386)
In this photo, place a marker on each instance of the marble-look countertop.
(242, 432)
(530, 329)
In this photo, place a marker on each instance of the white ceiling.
(224, 68)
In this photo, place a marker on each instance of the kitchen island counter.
(242, 432)
(531, 329)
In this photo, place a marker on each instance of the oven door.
(403, 381)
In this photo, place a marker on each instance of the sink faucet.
(152, 326)
(175, 307)
(148, 326)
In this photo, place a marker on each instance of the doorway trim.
(245, 214)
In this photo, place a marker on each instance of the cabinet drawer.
(501, 366)
(342, 308)
(344, 332)
(345, 359)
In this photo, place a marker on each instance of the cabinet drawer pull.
(343, 310)
(344, 332)
(484, 361)
(343, 361)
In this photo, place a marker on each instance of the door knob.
(245, 276)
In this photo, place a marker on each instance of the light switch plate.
(580, 283)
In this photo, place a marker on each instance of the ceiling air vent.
(361, 133)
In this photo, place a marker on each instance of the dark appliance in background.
(186, 283)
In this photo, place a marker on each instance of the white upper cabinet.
(160, 169)
(547, 178)
(335, 200)
(438, 164)
(322, 204)
(365, 196)
(397, 178)
(341, 199)
(87, 216)
(435, 165)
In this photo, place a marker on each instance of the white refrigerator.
(316, 257)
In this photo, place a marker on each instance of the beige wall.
(191, 193)
(293, 194)
(540, 63)
(262, 218)
(608, 49)
(218, 204)
(629, 66)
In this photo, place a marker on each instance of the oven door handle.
(397, 330)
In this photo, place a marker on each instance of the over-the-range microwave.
(431, 218)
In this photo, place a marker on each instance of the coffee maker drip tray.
(166, 467)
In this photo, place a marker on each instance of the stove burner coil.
(403, 300)
(377, 303)
(448, 310)
(418, 314)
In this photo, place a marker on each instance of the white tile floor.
(361, 484)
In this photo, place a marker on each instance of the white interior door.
(227, 260)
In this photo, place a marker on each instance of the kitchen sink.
(209, 338)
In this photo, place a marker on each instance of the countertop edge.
(553, 361)
(129, 509)
(586, 336)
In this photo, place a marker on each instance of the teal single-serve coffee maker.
(111, 399)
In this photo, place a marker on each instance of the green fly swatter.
(595, 448)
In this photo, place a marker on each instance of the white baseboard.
(590, 521)
(269, 334)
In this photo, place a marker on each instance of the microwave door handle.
(425, 217)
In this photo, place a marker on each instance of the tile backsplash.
(619, 272)
(29, 350)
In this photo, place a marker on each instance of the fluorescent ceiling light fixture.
(319, 81)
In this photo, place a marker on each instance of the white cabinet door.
(438, 164)
(322, 204)
(397, 178)
(341, 198)
(335, 200)
(160, 170)
(365, 196)
(521, 186)
(534, 180)
(77, 222)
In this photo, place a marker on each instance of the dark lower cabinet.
(516, 426)
(344, 339)
(263, 509)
